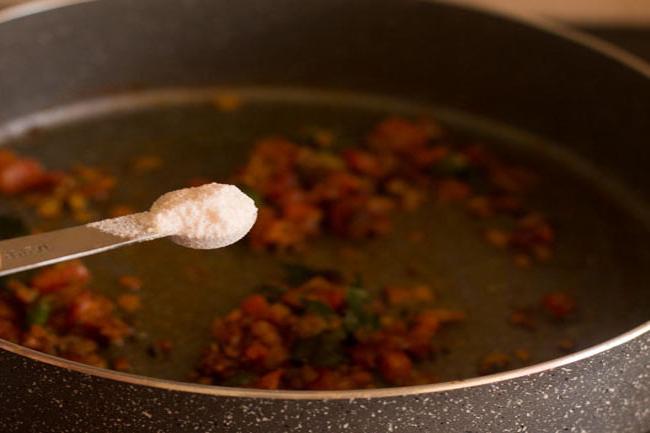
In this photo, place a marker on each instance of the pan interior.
(601, 255)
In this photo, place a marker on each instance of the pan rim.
(404, 391)
(631, 61)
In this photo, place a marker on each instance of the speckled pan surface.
(608, 392)
(420, 51)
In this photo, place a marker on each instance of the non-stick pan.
(100, 82)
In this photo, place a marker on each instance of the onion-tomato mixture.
(322, 333)
(315, 329)
(57, 313)
(314, 188)
(319, 332)
(56, 310)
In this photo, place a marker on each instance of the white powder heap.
(208, 216)
(205, 217)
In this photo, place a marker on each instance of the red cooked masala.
(322, 333)
(56, 312)
(317, 331)
(306, 190)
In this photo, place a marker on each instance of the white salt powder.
(129, 226)
(204, 217)
(208, 216)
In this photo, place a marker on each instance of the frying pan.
(102, 81)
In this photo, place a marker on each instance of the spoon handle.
(28, 252)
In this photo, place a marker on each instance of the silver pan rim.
(187, 387)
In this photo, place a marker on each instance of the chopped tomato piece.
(363, 162)
(255, 306)
(256, 351)
(20, 175)
(270, 380)
(559, 304)
(62, 275)
(395, 366)
(129, 302)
